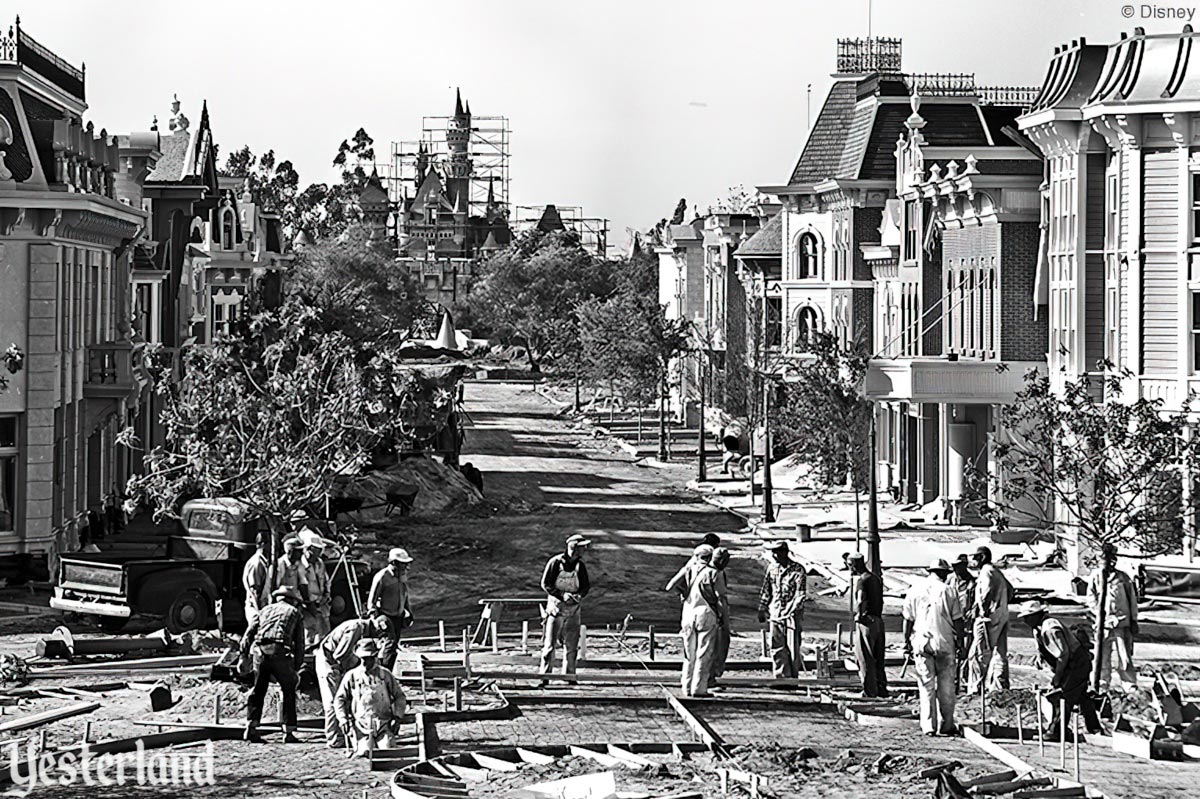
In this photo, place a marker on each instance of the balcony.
(937, 379)
(110, 371)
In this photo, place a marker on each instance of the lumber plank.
(48, 716)
(535, 758)
(604, 759)
(138, 664)
(625, 754)
(998, 752)
(697, 725)
(494, 763)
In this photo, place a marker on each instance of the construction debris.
(47, 716)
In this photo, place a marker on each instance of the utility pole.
(702, 469)
(768, 500)
(874, 565)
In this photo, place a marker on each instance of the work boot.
(250, 731)
(289, 737)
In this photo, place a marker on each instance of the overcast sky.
(621, 106)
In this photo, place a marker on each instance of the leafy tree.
(356, 287)
(529, 291)
(326, 211)
(739, 200)
(272, 416)
(1081, 459)
(824, 419)
(274, 185)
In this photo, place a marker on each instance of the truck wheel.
(112, 624)
(189, 611)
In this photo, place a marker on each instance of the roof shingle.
(766, 242)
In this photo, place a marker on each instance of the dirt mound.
(440, 489)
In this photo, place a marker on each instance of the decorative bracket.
(1179, 126)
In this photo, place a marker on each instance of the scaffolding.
(487, 150)
(592, 230)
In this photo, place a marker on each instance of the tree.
(529, 291)
(273, 185)
(274, 414)
(326, 211)
(1083, 460)
(738, 200)
(824, 418)
(357, 288)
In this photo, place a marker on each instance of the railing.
(875, 54)
(1008, 95)
(933, 84)
(18, 47)
(8, 47)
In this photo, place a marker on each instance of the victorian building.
(67, 247)
(954, 322)
(1120, 132)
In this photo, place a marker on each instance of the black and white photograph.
(675, 399)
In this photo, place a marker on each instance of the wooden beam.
(704, 732)
(139, 664)
(995, 750)
(603, 758)
(48, 716)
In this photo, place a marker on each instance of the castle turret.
(458, 139)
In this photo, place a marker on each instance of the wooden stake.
(1062, 733)
(525, 636)
(87, 731)
(495, 638)
(217, 709)
(457, 693)
(1075, 730)
(1037, 706)
(983, 728)
(466, 639)
(442, 634)
(583, 642)
(838, 647)
(653, 642)
(766, 645)
(1020, 727)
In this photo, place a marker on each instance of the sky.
(619, 106)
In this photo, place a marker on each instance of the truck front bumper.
(91, 607)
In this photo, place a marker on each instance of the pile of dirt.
(440, 489)
(659, 780)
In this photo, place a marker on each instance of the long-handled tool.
(904, 668)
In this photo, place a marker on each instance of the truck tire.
(188, 611)
(112, 624)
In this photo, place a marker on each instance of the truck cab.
(199, 575)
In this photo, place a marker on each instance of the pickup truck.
(202, 565)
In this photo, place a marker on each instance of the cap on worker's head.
(775, 546)
(399, 555)
(366, 647)
(984, 552)
(712, 539)
(287, 592)
(703, 552)
(578, 540)
(1031, 609)
(939, 565)
(963, 559)
(856, 557)
(291, 543)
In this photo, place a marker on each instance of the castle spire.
(458, 105)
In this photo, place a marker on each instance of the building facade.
(1119, 127)
(66, 250)
(955, 326)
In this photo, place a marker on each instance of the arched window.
(807, 325)
(228, 227)
(806, 256)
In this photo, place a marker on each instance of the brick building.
(66, 252)
(953, 286)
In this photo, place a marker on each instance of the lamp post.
(702, 468)
(768, 485)
(874, 564)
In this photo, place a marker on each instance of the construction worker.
(369, 703)
(963, 583)
(315, 577)
(288, 567)
(336, 656)
(681, 583)
(868, 627)
(1120, 622)
(389, 598)
(933, 632)
(255, 576)
(1063, 651)
(276, 641)
(781, 604)
(989, 636)
(565, 581)
(704, 612)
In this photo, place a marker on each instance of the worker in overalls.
(369, 704)
(565, 581)
(315, 577)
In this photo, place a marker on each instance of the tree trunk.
(662, 419)
(576, 389)
(1098, 633)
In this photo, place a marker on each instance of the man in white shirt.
(933, 634)
(989, 641)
